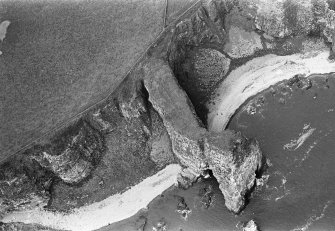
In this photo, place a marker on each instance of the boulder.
(186, 178)
(250, 226)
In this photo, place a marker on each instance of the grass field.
(61, 57)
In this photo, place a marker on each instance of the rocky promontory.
(233, 159)
(166, 121)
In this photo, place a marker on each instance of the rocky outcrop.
(142, 128)
(28, 181)
(179, 118)
(210, 66)
(17, 226)
(186, 178)
(71, 155)
(182, 207)
(242, 43)
(131, 100)
(137, 146)
(206, 195)
(199, 72)
(233, 159)
(284, 18)
(195, 51)
(250, 226)
(24, 185)
(113, 146)
(161, 151)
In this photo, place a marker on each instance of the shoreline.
(242, 83)
(257, 75)
(97, 215)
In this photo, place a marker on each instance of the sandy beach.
(110, 210)
(258, 75)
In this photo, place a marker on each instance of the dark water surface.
(295, 125)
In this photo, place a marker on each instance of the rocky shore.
(233, 159)
(258, 75)
(213, 58)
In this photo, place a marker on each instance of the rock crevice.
(233, 159)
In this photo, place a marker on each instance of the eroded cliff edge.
(70, 163)
(131, 136)
(233, 159)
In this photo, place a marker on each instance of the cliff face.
(158, 115)
(179, 118)
(145, 128)
(23, 188)
(233, 159)
(71, 155)
(114, 146)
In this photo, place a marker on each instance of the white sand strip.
(258, 75)
(110, 210)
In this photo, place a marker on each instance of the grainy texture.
(24, 227)
(233, 159)
(250, 226)
(178, 115)
(127, 137)
(242, 43)
(72, 154)
(24, 185)
(177, 7)
(198, 74)
(135, 149)
(59, 57)
(115, 145)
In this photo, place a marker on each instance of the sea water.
(294, 123)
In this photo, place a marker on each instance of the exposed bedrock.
(23, 186)
(179, 118)
(115, 145)
(146, 125)
(18, 226)
(250, 226)
(71, 155)
(233, 159)
(282, 18)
